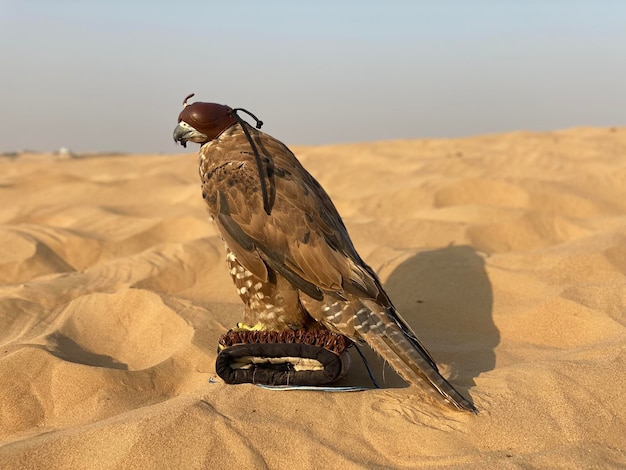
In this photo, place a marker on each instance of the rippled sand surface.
(505, 253)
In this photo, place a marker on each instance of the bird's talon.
(244, 327)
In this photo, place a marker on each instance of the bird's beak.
(185, 133)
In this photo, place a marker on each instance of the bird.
(287, 249)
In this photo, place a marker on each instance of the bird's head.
(202, 122)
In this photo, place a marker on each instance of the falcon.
(288, 250)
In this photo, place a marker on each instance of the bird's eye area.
(184, 125)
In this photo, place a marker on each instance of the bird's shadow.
(68, 350)
(446, 298)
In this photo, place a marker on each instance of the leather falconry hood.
(209, 118)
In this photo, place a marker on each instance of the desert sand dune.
(505, 253)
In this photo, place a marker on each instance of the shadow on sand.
(446, 297)
(68, 350)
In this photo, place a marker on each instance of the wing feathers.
(303, 238)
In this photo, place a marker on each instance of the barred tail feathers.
(388, 335)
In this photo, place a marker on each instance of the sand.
(506, 253)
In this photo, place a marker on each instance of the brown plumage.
(288, 251)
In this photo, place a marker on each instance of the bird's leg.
(270, 304)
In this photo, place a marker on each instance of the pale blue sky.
(111, 75)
